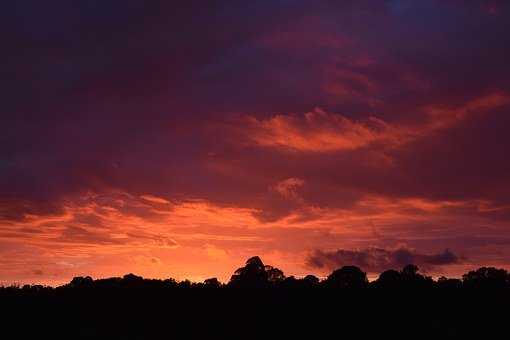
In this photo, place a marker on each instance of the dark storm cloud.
(378, 259)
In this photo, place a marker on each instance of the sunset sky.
(178, 138)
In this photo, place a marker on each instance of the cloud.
(155, 199)
(318, 131)
(444, 117)
(321, 131)
(377, 260)
(287, 188)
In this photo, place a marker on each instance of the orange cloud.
(318, 131)
(321, 131)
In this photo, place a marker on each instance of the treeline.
(257, 275)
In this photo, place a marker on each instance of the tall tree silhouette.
(256, 275)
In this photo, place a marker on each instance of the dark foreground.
(256, 314)
(259, 302)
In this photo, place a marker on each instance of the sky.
(179, 138)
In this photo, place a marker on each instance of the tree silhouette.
(252, 275)
(410, 270)
(310, 281)
(212, 283)
(389, 279)
(256, 275)
(487, 278)
(446, 283)
(410, 278)
(81, 282)
(133, 307)
(274, 275)
(347, 277)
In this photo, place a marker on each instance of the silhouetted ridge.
(260, 302)
(256, 274)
